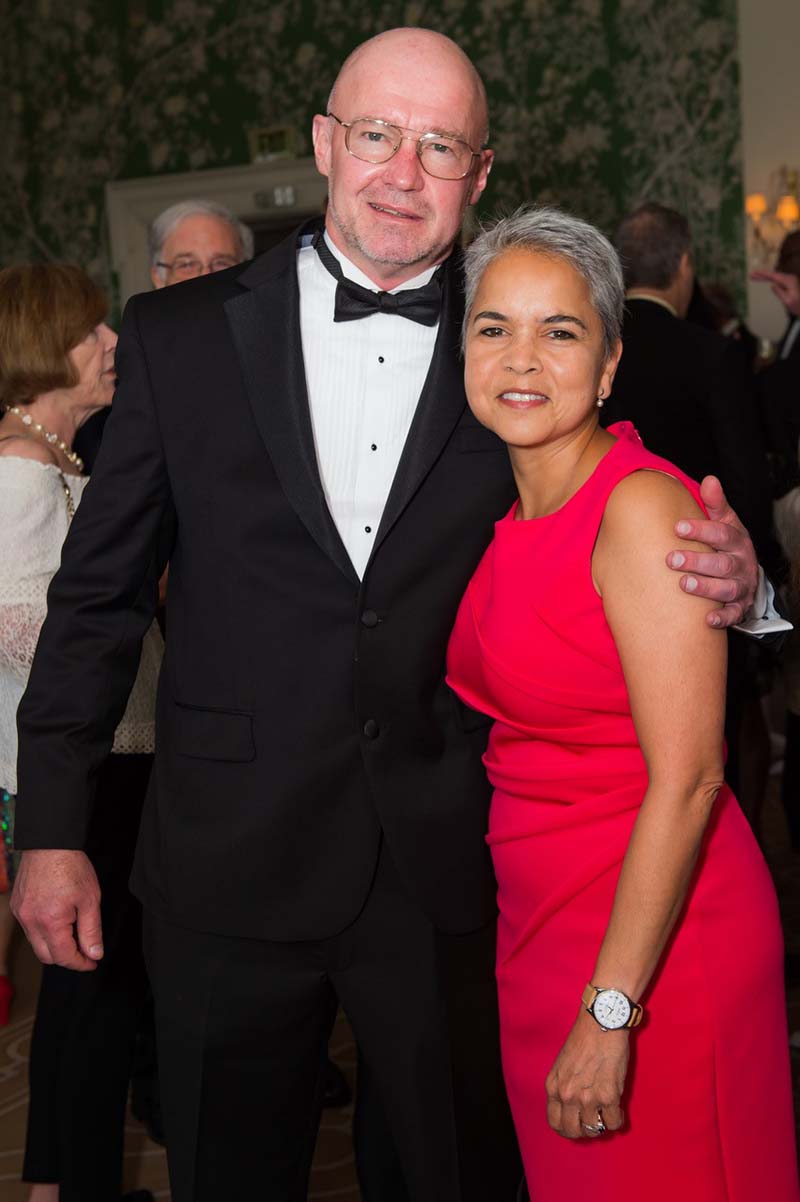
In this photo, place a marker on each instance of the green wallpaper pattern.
(595, 104)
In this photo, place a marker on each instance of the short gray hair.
(549, 231)
(162, 226)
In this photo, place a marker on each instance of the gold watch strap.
(590, 994)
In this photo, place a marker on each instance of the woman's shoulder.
(655, 483)
(642, 485)
(32, 492)
(645, 505)
(29, 450)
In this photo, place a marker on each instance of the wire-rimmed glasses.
(375, 141)
(186, 267)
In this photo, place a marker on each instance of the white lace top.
(34, 516)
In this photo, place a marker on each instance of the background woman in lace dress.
(56, 370)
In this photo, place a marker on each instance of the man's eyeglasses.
(185, 267)
(376, 141)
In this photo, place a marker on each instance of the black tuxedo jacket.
(794, 352)
(689, 393)
(779, 400)
(300, 711)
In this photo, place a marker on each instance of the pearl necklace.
(37, 428)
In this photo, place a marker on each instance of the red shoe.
(6, 996)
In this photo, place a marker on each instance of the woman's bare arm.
(674, 666)
(674, 669)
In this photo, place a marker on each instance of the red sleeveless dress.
(708, 1096)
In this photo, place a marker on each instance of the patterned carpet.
(333, 1176)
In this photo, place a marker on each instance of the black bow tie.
(352, 301)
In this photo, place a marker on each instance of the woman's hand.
(587, 1080)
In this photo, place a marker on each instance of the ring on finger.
(595, 1128)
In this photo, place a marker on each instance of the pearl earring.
(600, 399)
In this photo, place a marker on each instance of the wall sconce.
(772, 216)
(787, 211)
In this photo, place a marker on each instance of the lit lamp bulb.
(787, 211)
(755, 206)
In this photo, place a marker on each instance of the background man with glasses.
(191, 238)
(315, 826)
(196, 237)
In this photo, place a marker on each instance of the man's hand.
(729, 573)
(56, 900)
(785, 285)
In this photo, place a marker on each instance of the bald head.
(389, 213)
(396, 52)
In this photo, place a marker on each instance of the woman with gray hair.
(630, 885)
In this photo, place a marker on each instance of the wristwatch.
(611, 1009)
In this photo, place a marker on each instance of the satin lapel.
(265, 322)
(440, 405)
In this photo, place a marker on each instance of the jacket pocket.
(209, 734)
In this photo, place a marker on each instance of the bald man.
(294, 434)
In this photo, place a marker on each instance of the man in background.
(779, 395)
(779, 384)
(785, 280)
(686, 389)
(689, 393)
(788, 264)
(193, 238)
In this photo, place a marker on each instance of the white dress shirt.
(364, 379)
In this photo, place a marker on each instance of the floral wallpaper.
(595, 104)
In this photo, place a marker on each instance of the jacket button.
(371, 728)
(369, 618)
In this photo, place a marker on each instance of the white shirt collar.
(357, 276)
(637, 294)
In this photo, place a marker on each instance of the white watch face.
(611, 1009)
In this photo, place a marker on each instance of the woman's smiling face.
(535, 352)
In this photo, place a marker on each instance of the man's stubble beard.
(431, 253)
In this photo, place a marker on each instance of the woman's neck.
(53, 420)
(548, 475)
(56, 413)
(53, 415)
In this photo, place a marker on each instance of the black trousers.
(86, 1023)
(242, 1035)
